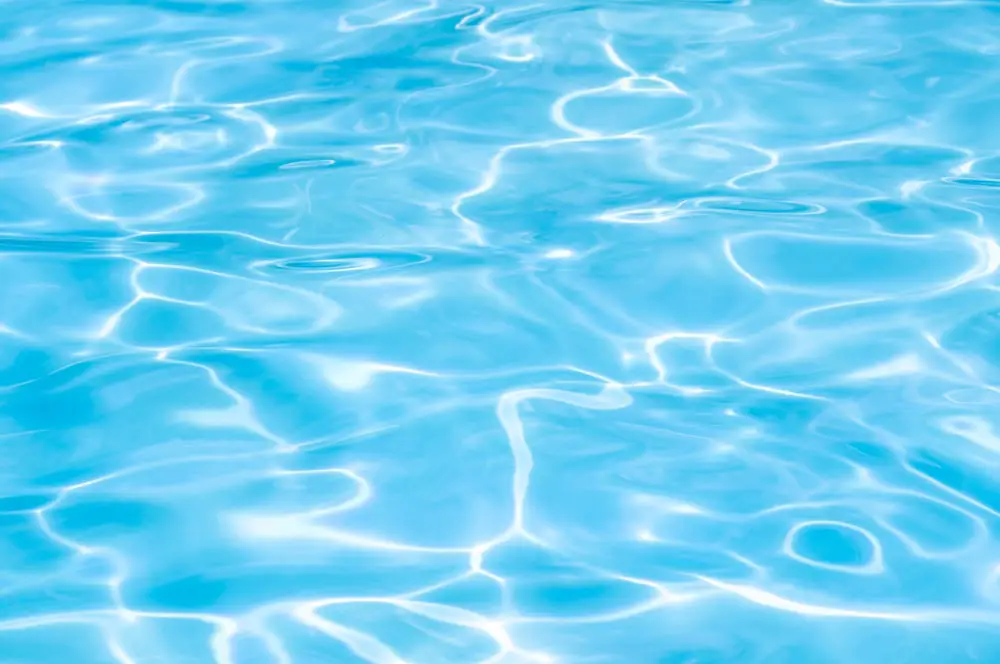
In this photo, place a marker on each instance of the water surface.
(629, 332)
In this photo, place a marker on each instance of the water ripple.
(415, 331)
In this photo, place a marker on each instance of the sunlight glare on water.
(428, 332)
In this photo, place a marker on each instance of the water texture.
(634, 332)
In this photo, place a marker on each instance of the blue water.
(631, 332)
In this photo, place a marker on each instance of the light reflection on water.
(552, 332)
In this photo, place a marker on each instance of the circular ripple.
(834, 545)
(342, 263)
(758, 206)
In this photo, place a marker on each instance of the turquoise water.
(429, 332)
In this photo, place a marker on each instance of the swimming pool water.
(554, 332)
